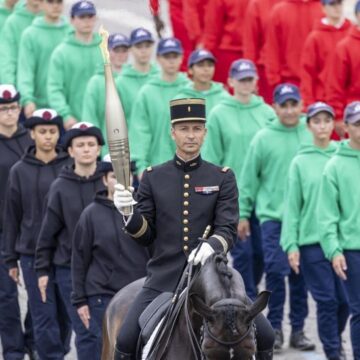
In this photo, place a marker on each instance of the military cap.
(44, 117)
(82, 129)
(8, 94)
(184, 110)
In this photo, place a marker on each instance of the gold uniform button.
(185, 212)
(186, 229)
(185, 221)
(186, 203)
(186, 238)
(187, 176)
(186, 248)
(186, 186)
(186, 194)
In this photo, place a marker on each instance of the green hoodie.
(129, 84)
(212, 96)
(94, 103)
(339, 202)
(36, 46)
(11, 33)
(265, 169)
(72, 65)
(4, 13)
(300, 225)
(231, 127)
(149, 130)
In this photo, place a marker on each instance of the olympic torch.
(116, 129)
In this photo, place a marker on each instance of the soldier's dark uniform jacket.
(68, 196)
(11, 150)
(104, 258)
(28, 185)
(176, 202)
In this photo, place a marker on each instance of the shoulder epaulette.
(149, 169)
(225, 169)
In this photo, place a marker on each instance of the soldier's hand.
(14, 274)
(340, 129)
(84, 314)
(340, 267)
(123, 198)
(199, 255)
(29, 109)
(243, 229)
(42, 285)
(294, 261)
(68, 124)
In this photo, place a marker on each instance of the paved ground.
(123, 16)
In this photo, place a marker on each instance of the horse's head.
(218, 296)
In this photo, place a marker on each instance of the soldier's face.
(84, 150)
(188, 137)
(119, 56)
(9, 114)
(321, 125)
(142, 52)
(354, 134)
(203, 71)
(289, 112)
(45, 137)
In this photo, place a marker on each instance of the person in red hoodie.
(290, 23)
(177, 22)
(223, 29)
(344, 82)
(256, 22)
(318, 48)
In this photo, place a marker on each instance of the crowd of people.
(280, 83)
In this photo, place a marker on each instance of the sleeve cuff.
(42, 272)
(218, 243)
(292, 249)
(137, 226)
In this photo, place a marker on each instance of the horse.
(216, 320)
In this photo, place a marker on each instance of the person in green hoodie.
(73, 63)
(300, 236)
(338, 210)
(232, 125)
(134, 76)
(201, 68)
(262, 181)
(94, 98)
(149, 131)
(21, 18)
(6, 8)
(36, 46)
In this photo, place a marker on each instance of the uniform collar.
(187, 165)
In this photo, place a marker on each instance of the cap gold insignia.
(189, 108)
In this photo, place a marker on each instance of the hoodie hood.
(40, 22)
(21, 131)
(346, 150)
(158, 81)
(215, 89)
(355, 32)
(312, 149)
(72, 40)
(278, 126)
(102, 198)
(321, 26)
(255, 102)
(68, 173)
(129, 71)
(21, 10)
(30, 158)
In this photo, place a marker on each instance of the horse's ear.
(201, 308)
(259, 304)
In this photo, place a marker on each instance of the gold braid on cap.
(187, 102)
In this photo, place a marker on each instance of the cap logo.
(319, 104)
(6, 95)
(169, 43)
(286, 90)
(84, 5)
(357, 108)
(203, 53)
(140, 33)
(118, 37)
(189, 108)
(244, 66)
(83, 127)
(47, 115)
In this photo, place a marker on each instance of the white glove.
(123, 198)
(205, 251)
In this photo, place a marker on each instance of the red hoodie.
(256, 21)
(318, 48)
(193, 13)
(290, 23)
(224, 21)
(344, 82)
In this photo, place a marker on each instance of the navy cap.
(83, 8)
(285, 92)
(44, 117)
(352, 113)
(357, 7)
(140, 35)
(118, 39)
(319, 107)
(200, 55)
(8, 94)
(242, 69)
(169, 45)
(82, 129)
(329, 2)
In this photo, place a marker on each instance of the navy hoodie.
(28, 184)
(68, 197)
(11, 150)
(104, 258)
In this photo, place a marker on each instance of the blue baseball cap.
(169, 45)
(140, 35)
(330, 2)
(242, 69)
(200, 55)
(319, 107)
(285, 92)
(83, 8)
(118, 39)
(352, 113)
(357, 7)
